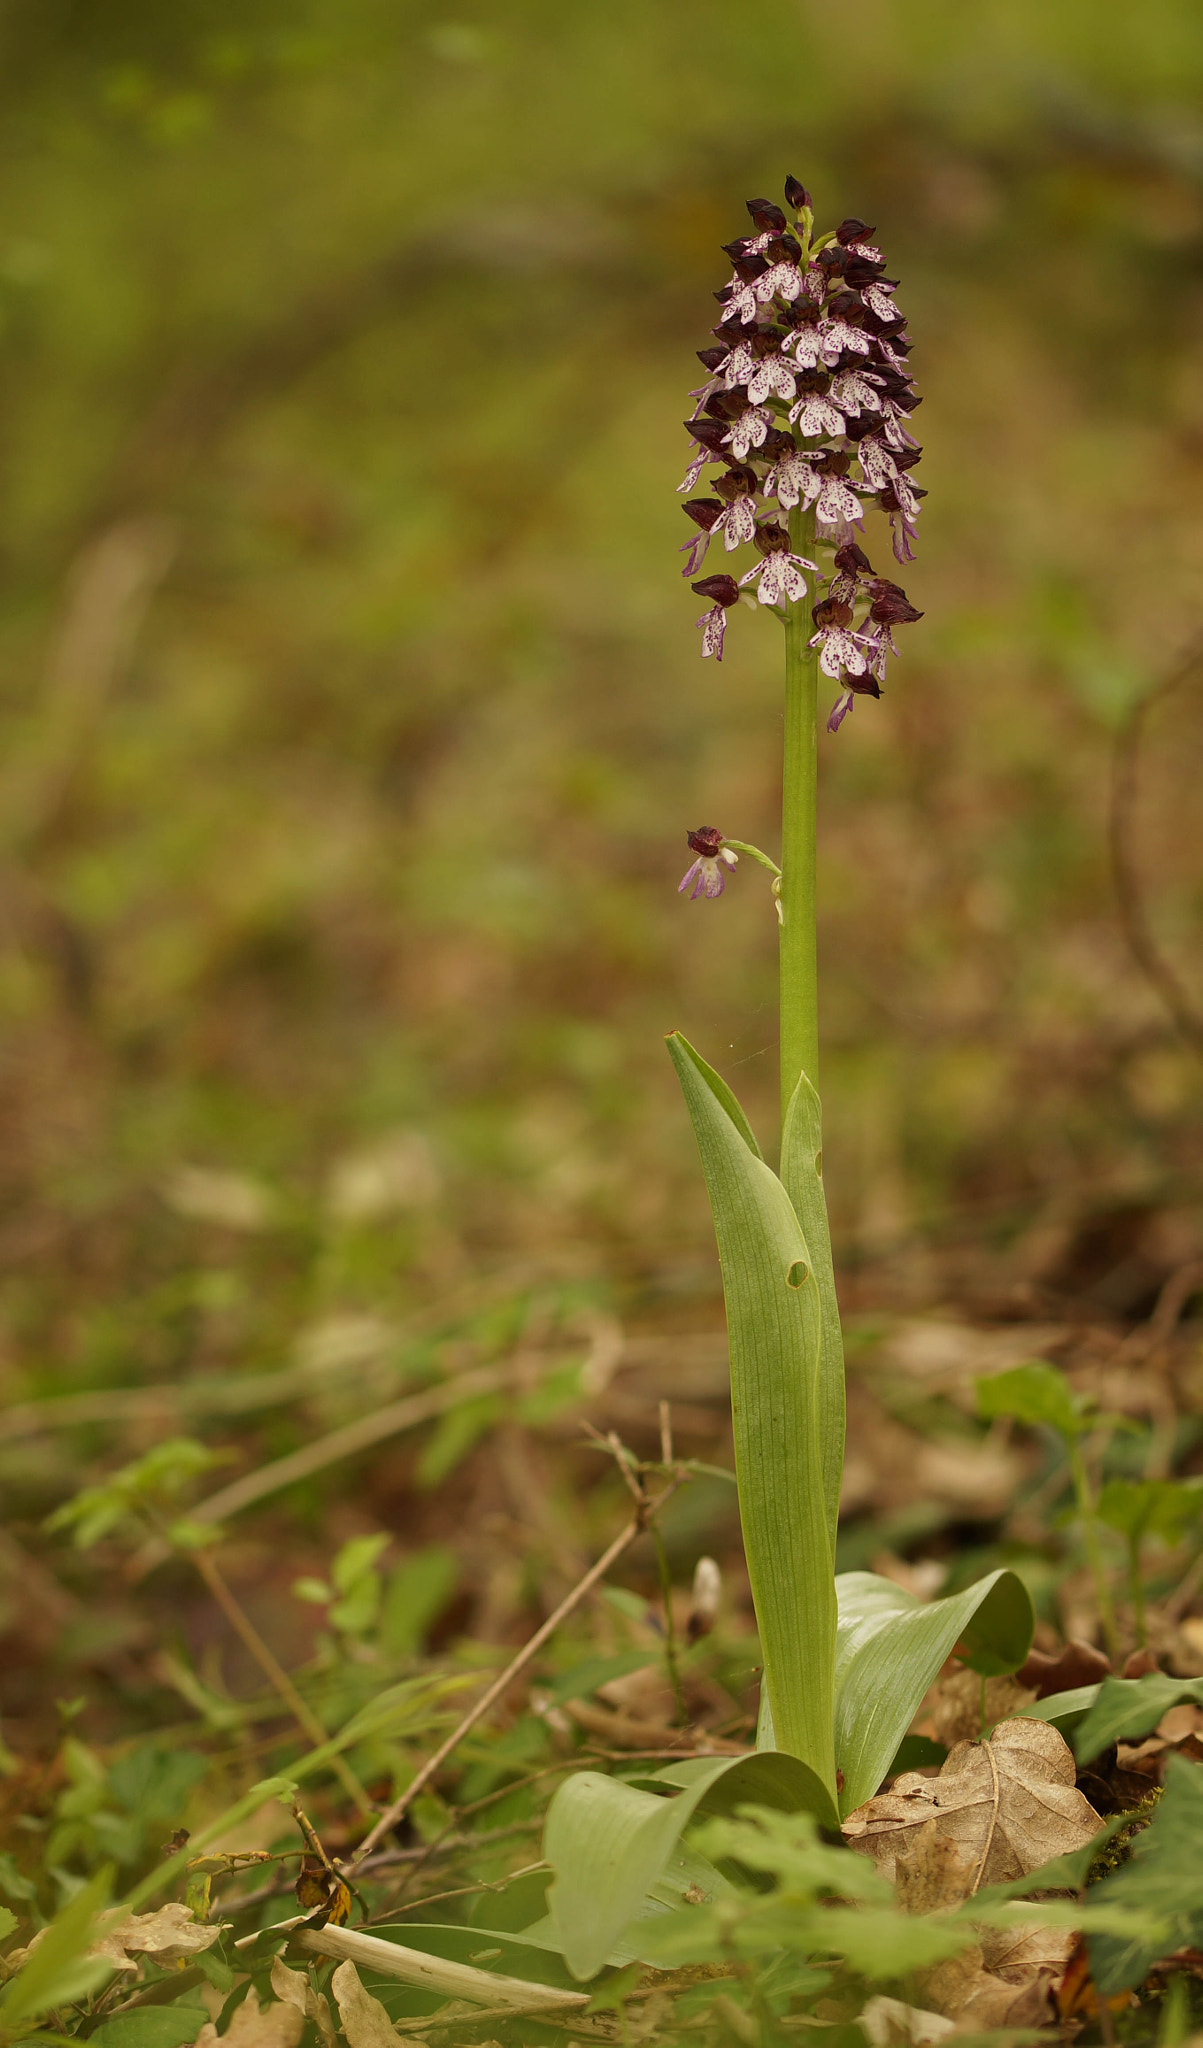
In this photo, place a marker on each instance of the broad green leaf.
(8, 1921)
(1063, 1710)
(1163, 1876)
(774, 1331)
(417, 1591)
(483, 1947)
(1035, 1394)
(1130, 1706)
(890, 1646)
(1151, 1507)
(58, 1970)
(802, 1176)
(686, 1874)
(158, 2026)
(610, 1843)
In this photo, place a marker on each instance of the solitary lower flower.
(707, 873)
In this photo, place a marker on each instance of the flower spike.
(807, 404)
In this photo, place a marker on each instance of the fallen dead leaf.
(1009, 1804)
(294, 1987)
(929, 1875)
(167, 1936)
(366, 2024)
(1139, 1664)
(956, 1705)
(888, 2023)
(253, 2026)
(1079, 1663)
(1005, 1978)
(964, 1990)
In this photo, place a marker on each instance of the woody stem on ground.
(799, 791)
(276, 1675)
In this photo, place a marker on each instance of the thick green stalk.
(799, 789)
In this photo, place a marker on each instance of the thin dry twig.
(1125, 871)
(645, 1510)
(274, 1671)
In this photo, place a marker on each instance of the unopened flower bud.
(853, 560)
(766, 216)
(891, 606)
(722, 590)
(711, 433)
(852, 230)
(858, 270)
(797, 195)
(704, 1601)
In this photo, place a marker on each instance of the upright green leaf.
(802, 1176)
(774, 1328)
(890, 1647)
(609, 1843)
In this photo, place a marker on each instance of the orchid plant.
(805, 409)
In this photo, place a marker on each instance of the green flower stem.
(1136, 1591)
(799, 992)
(1088, 1513)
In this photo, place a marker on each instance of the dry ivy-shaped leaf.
(366, 2024)
(1009, 1805)
(1004, 1979)
(272, 2026)
(295, 1987)
(167, 1936)
(888, 2023)
(956, 1705)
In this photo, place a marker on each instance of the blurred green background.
(353, 717)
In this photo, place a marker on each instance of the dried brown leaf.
(167, 1936)
(964, 1990)
(366, 2024)
(889, 2023)
(253, 2026)
(1008, 1804)
(1079, 1663)
(929, 1875)
(956, 1705)
(294, 1987)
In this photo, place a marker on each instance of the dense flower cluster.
(806, 402)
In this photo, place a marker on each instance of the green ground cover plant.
(397, 1639)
